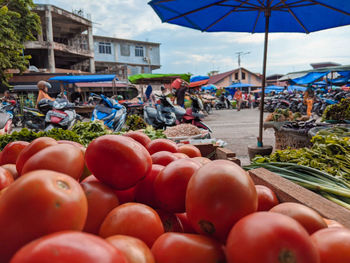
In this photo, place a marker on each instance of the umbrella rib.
(247, 3)
(195, 10)
(296, 18)
(223, 17)
(256, 22)
(330, 7)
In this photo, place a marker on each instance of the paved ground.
(238, 129)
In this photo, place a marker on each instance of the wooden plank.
(207, 150)
(288, 191)
(224, 153)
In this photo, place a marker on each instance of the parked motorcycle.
(222, 103)
(164, 115)
(5, 120)
(35, 118)
(193, 114)
(110, 112)
(62, 115)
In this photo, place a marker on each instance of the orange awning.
(199, 83)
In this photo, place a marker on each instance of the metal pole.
(261, 121)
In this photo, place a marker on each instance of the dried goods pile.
(182, 130)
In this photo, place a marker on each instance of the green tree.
(18, 23)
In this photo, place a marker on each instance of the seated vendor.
(43, 87)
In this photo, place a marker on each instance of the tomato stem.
(207, 227)
(286, 256)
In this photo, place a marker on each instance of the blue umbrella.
(239, 85)
(198, 78)
(209, 87)
(255, 16)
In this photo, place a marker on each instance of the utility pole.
(239, 54)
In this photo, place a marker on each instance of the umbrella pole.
(261, 121)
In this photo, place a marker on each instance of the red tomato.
(267, 237)
(266, 198)
(12, 169)
(181, 155)
(101, 200)
(144, 190)
(76, 144)
(171, 184)
(139, 137)
(34, 147)
(333, 244)
(218, 195)
(126, 196)
(171, 222)
(134, 249)
(5, 178)
(69, 246)
(187, 248)
(118, 161)
(90, 178)
(190, 150)
(307, 217)
(186, 224)
(332, 223)
(158, 145)
(11, 152)
(202, 160)
(62, 158)
(133, 219)
(36, 204)
(163, 158)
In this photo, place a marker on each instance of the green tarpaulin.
(163, 78)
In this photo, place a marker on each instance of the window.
(125, 50)
(243, 75)
(138, 51)
(236, 75)
(104, 48)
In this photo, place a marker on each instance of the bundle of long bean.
(331, 187)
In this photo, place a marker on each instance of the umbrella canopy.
(198, 78)
(84, 78)
(309, 78)
(255, 16)
(210, 87)
(297, 88)
(274, 88)
(198, 83)
(239, 85)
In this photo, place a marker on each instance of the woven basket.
(290, 139)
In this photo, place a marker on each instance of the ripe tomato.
(5, 178)
(181, 155)
(34, 147)
(307, 217)
(267, 237)
(134, 249)
(62, 158)
(69, 246)
(158, 145)
(266, 198)
(12, 169)
(126, 196)
(190, 150)
(133, 219)
(118, 161)
(218, 195)
(187, 248)
(11, 152)
(186, 224)
(36, 204)
(90, 178)
(171, 222)
(101, 200)
(139, 137)
(202, 160)
(333, 244)
(171, 184)
(76, 144)
(163, 158)
(144, 190)
(332, 223)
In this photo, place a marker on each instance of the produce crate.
(288, 191)
(214, 152)
(291, 139)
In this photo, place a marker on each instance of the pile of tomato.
(127, 199)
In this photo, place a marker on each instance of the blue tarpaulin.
(309, 78)
(210, 87)
(85, 78)
(297, 88)
(198, 78)
(238, 85)
(276, 89)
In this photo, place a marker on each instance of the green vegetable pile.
(329, 153)
(82, 132)
(135, 122)
(333, 188)
(338, 112)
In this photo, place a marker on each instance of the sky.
(186, 50)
